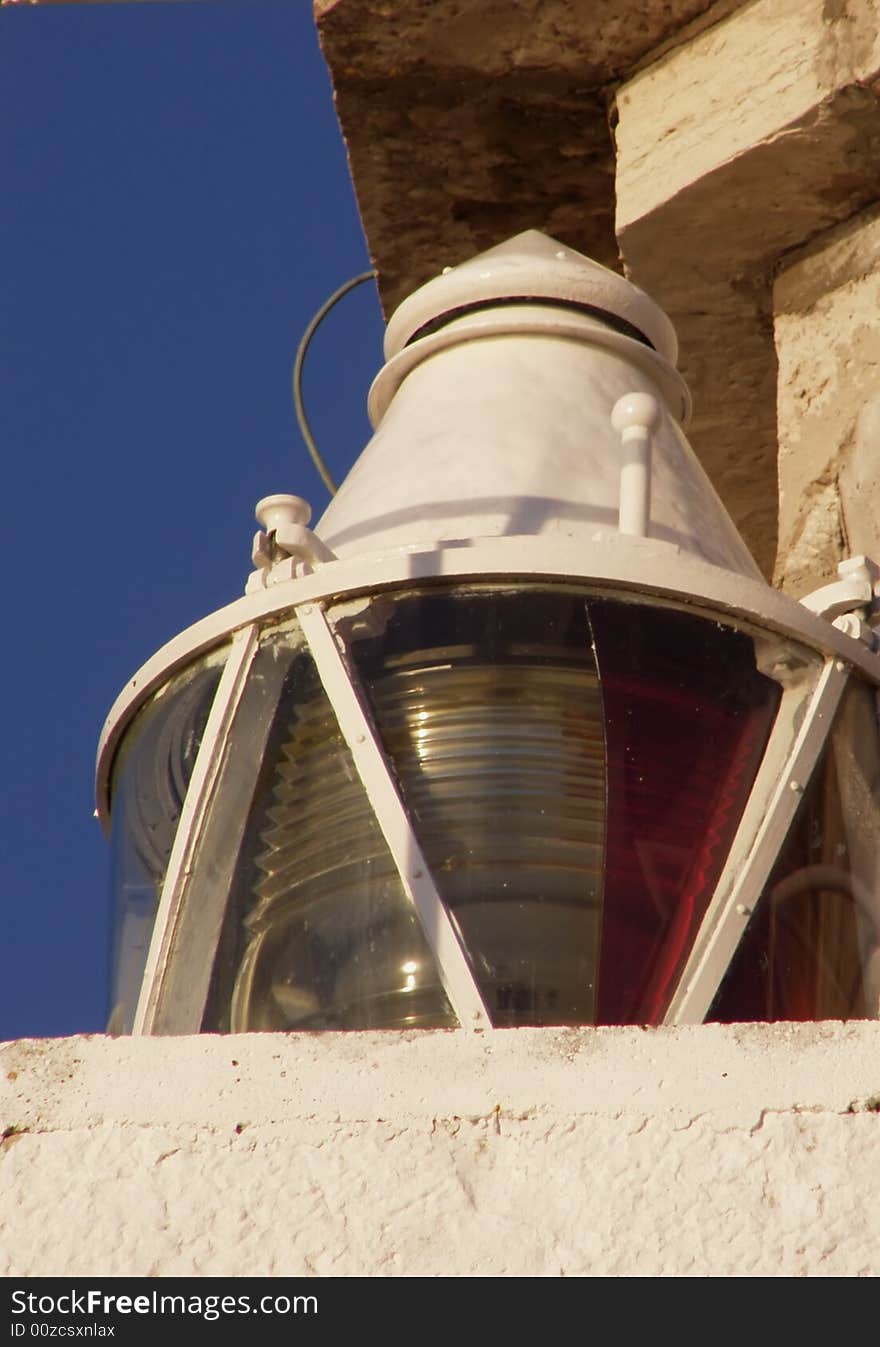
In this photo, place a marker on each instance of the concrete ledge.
(716, 1150)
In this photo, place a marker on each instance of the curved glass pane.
(812, 949)
(320, 933)
(575, 768)
(687, 719)
(151, 773)
(490, 710)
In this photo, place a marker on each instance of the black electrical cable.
(310, 331)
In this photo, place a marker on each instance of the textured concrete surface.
(740, 1150)
(826, 303)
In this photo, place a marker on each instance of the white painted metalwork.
(635, 417)
(530, 319)
(528, 265)
(393, 819)
(855, 589)
(285, 536)
(609, 562)
(787, 767)
(192, 817)
(790, 757)
(492, 414)
(509, 384)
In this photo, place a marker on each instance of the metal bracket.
(189, 829)
(743, 879)
(857, 589)
(285, 547)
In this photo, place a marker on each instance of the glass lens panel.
(687, 718)
(575, 769)
(321, 934)
(151, 774)
(489, 708)
(812, 949)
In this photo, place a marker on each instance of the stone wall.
(826, 302)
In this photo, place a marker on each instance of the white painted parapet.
(722, 1150)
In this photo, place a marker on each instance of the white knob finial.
(273, 512)
(635, 411)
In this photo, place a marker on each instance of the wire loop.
(298, 403)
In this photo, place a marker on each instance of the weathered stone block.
(733, 148)
(826, 304)
(467, 123)
(765, 77)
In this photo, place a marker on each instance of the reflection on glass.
(151, 774)
(687, 719)
(489, 708)
(812, 949)
(321, 934)
(575, 769)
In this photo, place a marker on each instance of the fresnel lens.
(518, 735)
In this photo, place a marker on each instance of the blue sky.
(175, 206)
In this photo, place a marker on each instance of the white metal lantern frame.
(186, 933)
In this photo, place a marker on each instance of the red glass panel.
(687, 718)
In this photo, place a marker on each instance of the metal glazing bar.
(766, 821)
(369, 758)
(186, 838)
